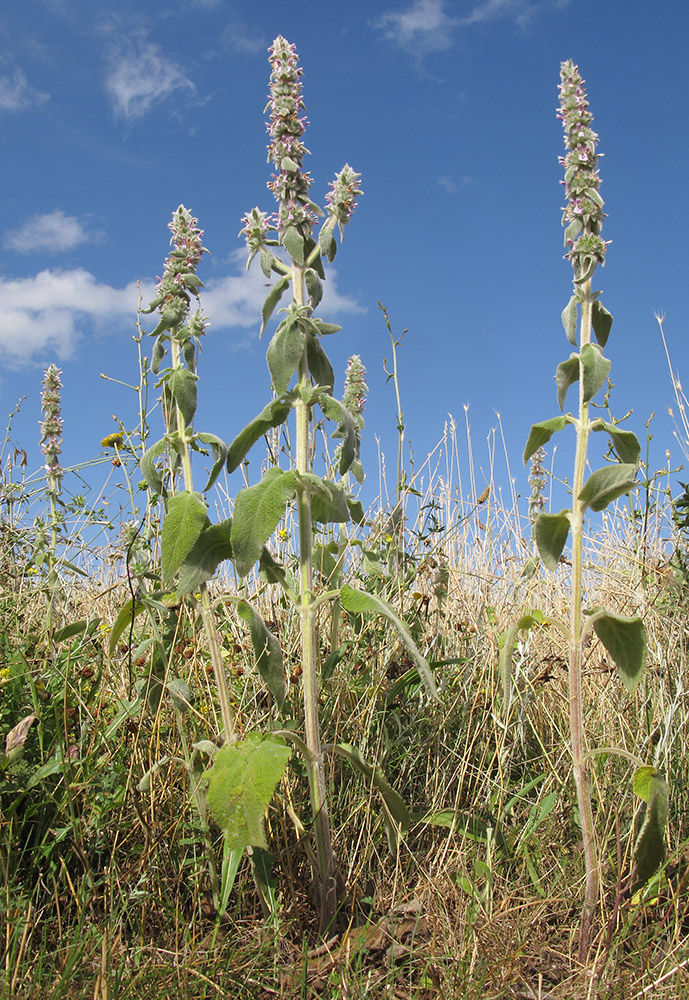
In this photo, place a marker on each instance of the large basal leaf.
(182, 386)
(212, 547)
(541, 433)
(241, 784)
(285, 351)
(596, 368)
(625, 443)
(272, 415)
(333, 409)
(605, 485)
(625, 640)
(551, 532)
(567, 374)
(267, 652)
(569, 320)
(649, 849)
(257, 512)
(272, 299)
(601, 320)
(359, 602)
(185, 519)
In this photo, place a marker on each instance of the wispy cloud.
(140, 76)
(453, 184)
(54, 232)
(238, 37)
(55, 309)
(426, 26)
(16, 93)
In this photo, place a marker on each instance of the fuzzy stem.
(207, 616)
(314, 762)
(576, 697)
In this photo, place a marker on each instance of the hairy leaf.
(314, 288)
(293, 242)
(541, 433)
(329, 505)
(148, 468)
(550, 532)
(182, 386)
(596, 369)
(649, 849)
(625, 640)
(285, 351)
(607, 484)
(211, 548)
(272, 415)
(346, 429)
(625, 443)
(569, 320)
(393, 801)
(358, 602)
(185, 519)
(567, 374)
(601, 320)
(219, 452)
(257, 512)
(272, 299)
(241, 784)
(319, 364)
(267, 652)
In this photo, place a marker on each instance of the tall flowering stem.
(587, 326)
(51, 446)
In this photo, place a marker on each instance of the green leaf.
(329, 504)
(550, 532)
(75, 628)
(314, 288)
(325, 329)
(596, 368)
(241, 784)
(346, 429)
(625, 640)
(185, 519)
(124, 620)
(272, 571)
(601, 321)
(159, 349)
(569, 320)
(272, 415)
(356, 508)
(211, 548)
(605, 485)
(219, 451)
(358, 601)
(567, 374)
(266, 651)
(507, 641)
(466, 825)
(285, 351)
(649, 848)
(257, 512)
(293, 242)
(182, 386)
(272, 299)
(326, 243)
(180, 692)
(625, 443)
(149, 471)
(541, 433)
(319, 364)
(393, 801)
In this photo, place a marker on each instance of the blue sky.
(112, 114)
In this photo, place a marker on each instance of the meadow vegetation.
(262, 739)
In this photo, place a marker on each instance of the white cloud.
(237, 37)
(453, 184)
(17, 94)
(54, 232)
(56, 309)
(426, 27)
(140, 76)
